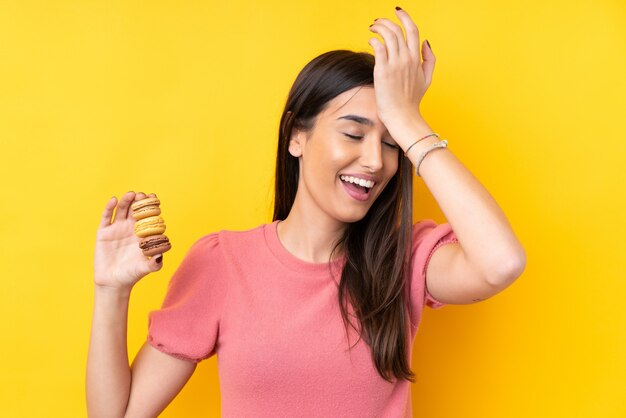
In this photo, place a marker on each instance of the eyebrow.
(358, 119)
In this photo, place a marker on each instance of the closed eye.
(360, 137)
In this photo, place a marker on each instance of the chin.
(356, 216)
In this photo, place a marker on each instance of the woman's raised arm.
(156, 377)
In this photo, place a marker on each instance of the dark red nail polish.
(398, 8)
(429, 45)
(159, 260)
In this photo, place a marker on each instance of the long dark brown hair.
(377, 247)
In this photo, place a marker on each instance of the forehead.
(359, 100)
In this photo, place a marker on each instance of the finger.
(380, 53)
(429, 63)
(122, 207)
(403, 49)
(156, 263)
(107, 215)
(391, 42)
(142, 195)
(412, 32)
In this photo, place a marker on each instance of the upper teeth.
(365, 183)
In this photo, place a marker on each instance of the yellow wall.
(183, 98)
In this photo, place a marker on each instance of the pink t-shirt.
(274, 322)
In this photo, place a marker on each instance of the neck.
(310, 236)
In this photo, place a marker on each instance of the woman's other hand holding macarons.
(119, 263)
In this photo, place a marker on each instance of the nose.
(371, 154)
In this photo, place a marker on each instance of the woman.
(315, 313)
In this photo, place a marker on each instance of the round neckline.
(291, 261)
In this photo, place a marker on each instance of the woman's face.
(348, 139)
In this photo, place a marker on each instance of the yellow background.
(183, 99)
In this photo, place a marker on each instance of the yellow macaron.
(152, 225)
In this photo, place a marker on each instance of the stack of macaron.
(150, 226)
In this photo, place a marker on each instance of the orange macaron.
(145, 207)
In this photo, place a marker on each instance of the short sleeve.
(427, 237)
(187, 325)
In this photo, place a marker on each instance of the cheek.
(318, 168)
(327, 161)
(391, 163)
(338, 152)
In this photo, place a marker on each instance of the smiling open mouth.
(355, 187)
(357, 191)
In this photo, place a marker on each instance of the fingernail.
(398, 8)
(429, 47)
(159, 259)
(376, 19)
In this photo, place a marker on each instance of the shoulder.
(427, 237)
(226, 240)
(422, 227)
(242, 237)
(203, 248)
(427, 232)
